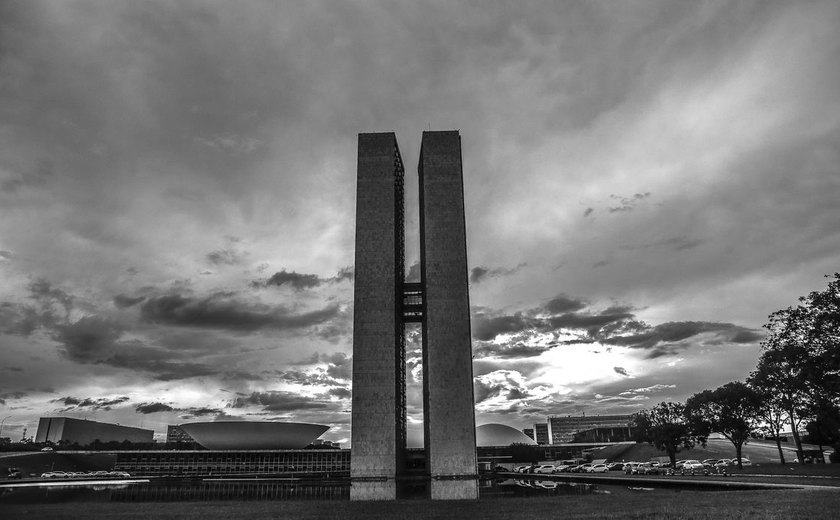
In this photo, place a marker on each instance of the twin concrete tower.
(384, 303)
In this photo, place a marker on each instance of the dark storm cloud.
(189, 413)
(621, 370)
(102, 403)
(517, 351)
(279, 401)
(89, 339)
(481, 273)
(592, 323)
(123, 301)
(301, 281)
(340, 392)
(616, 325)
(563, 303)
(147, 408)
(674, 332)
(95, 340)
(298, 281)
(221, 311)
(485, 328)
(478, 273)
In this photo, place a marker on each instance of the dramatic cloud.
(102, 403)
(90, 339)
(295, 280)
(300, 281)
(479, 274)
(147, 408)
(222, 311)
(279, 401)
(177, 194)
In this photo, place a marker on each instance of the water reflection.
(527, 487)
(256, 489)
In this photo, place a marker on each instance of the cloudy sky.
(645, 182)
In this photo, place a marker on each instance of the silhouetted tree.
(772, 414)
(731, 410)
(786, 369)
(824, 428)
(665, 426)
(521, 452)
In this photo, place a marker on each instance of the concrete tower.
(384, 303)
(448, 404)
(378, 416)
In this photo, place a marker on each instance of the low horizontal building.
(251, 463)
(58, 430)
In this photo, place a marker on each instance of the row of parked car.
(633, 468)
(89, 474)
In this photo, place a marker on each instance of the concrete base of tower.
(366, 490)
(459, 489)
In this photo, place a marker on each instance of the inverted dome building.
(253, 435)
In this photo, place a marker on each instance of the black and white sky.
(645, 182)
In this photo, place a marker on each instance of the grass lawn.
(619, 503)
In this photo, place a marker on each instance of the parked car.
(645, 468)
(562, 468)
(723, 462)
(46, 448)
(615, 466)
(598, 468)
(692, 465)
(628, 467)
(709, 463)
(744, 462)
(544, 468)
(679, 464)
(581, 468)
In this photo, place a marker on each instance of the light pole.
(1, 425)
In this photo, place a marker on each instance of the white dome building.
(252, 435)
(494, 434)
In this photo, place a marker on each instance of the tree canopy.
(666, 428)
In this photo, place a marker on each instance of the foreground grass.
(619, 503)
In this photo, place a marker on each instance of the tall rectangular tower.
(384, 303)
(378, 418)
(449, 410)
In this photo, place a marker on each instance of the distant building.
(564, 429)
(176, 434)
(323, 443)
(529, 432)
(77, 431)
(541, 433)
